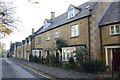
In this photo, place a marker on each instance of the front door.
(116, 58)
(39, 53)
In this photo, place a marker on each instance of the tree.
(2, 48)
(81, 54)
(60, 43)
(8, 21)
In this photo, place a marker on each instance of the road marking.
(37, 72)
(34, 70)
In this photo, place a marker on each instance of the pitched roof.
(23, 41)
(63, 19)
(17, 43)
(112, 15)
(12, 46)
(35, 33)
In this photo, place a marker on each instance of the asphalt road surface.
(12, 70)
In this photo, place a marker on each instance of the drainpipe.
(101, 42)
(89, 36)
(31, 46)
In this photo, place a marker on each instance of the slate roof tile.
(112, 15)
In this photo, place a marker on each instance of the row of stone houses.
(93, 25)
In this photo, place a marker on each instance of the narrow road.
(16, 71)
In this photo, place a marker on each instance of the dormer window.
(47, 23)
(72, 11)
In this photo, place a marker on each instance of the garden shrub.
(93, 66)
(46, 60)
(66, 66)
(35, 59)
(81, 55)
(31, 58)
(71, 63)
(42, 60)
(39, 60)
(52, 60)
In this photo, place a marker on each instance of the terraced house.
(93, 25)
(16, 49)
(19, 50)
(12, 48)
(78, 26)
(29, 46)
(110, 35)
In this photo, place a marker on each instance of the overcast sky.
(33, 15)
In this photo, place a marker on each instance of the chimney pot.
(52, 15)
(33, 30)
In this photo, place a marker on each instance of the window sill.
(114, 34)
(47, 39)
(65, 60)
(74, 36)
(38, 44)
(56, 37)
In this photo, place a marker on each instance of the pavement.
(55, 72)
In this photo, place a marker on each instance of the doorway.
(116, 59)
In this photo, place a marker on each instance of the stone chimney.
(33, 30)
(10, 42)
(52, 15)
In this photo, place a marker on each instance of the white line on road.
(36, 72)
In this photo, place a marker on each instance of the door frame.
(111, 53)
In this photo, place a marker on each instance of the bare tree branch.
(7, 18)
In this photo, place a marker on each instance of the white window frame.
(71, 11)
(46, 53)
(57, 34)
(38, 40)
(66, 51)
(114, 26)
(74, 30)
(41, 53)
(36, 53)
(47, 36)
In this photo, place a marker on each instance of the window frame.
(38, 40)
(40, 53)
(71, 11)
(47, 51)
(47, 37)
(57, 35)
(115, 29)
(67, 53)
(75, 31)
